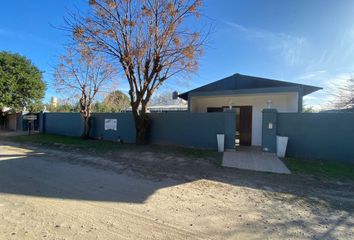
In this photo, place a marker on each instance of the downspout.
(300, 96)
(189, 103)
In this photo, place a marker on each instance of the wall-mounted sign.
(110, 124)
(30, 117)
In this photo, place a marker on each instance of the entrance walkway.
(252, 158)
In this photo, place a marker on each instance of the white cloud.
(336, 53)
(290, 48)
(309, 97)
(312, 75)
(337, 80)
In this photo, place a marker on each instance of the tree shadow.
(42, 176)
(316, 222)
(57, 175)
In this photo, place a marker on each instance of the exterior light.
(230, 105)
(269, 104)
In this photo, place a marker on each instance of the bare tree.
(148, 39)
(84, 74)
(343, 94)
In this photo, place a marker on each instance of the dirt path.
(58, 195)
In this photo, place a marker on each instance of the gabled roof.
(244, 82)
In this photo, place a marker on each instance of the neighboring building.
(14, 121)
(164, 108)
(342, 110)
(53, 102)
(248, 96)
(11, 120)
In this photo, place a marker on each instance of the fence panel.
(327, 136)
(68, 124)
(192, 129)
(177, 128)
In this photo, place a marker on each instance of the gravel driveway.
(47, 194)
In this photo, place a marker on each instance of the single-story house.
(10, 119)
(248, 96)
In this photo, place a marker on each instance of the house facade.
(247, 96)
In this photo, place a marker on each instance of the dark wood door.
(214, 109)
(245, 125)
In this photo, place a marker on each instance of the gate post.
(41, 121)
(269, 130)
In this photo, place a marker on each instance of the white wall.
(283, 102)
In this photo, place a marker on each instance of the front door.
(245, 127)
(214, 109)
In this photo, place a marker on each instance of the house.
(10, 119)
(248, 96)
(167, 108)
(164, 108)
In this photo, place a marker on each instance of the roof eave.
(311, 89)
(186, 95)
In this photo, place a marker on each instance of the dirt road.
(48, 194)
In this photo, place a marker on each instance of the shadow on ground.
(43, 175)
(58, 174)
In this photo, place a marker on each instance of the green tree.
(99, 107)
(308, 109)
(63, 107)
(21, 83)
(115, 101)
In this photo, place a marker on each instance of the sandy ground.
(55, 194)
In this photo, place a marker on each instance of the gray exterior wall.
(196, 130)
(325, 136)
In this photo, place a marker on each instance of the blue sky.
(310, 42)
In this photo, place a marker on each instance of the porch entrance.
(243, 134)
(244, 126)
(252, 158)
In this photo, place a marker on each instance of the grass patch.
(337, 170)
(102, 146)
(66, 141)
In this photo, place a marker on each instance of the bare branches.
(343, 94)
(148, 38)
(83, 72)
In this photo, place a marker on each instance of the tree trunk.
(2, 120)
(87, 127)
(141, 120)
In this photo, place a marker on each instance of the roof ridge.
(241, 81)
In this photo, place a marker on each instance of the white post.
(220, 139)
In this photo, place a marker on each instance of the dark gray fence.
(176, 128)
(125, 127)
(192, 129)
(327, 136)
(68, 124)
